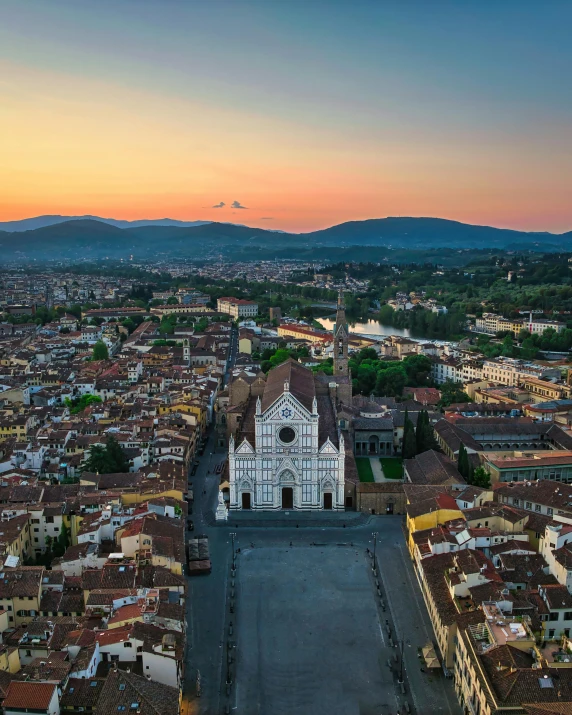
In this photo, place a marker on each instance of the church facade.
(291, 460)
(287, 451)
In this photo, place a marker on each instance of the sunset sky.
(306, 112)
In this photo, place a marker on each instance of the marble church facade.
(288, 452)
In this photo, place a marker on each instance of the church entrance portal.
(287, 498)
(246, 500)
(327, 500)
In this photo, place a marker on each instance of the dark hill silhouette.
(94, 238)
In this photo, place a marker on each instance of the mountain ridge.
(85, 237)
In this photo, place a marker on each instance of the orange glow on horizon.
(73, 146)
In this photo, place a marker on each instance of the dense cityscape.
(285, 357)
(166, 430)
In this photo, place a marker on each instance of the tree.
(418, 369)
(62, 542)
(508, 346)
(452, 393)
(424, 436)
(463, 464)
(279, 357)
(100, 351)
(481, 478)
(110, 459)
(390, 382)
(78, 404)
(409, 444)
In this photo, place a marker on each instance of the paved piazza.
(308, 633)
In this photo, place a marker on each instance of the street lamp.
(374, 534)
(233, 564)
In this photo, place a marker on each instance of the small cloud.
(219, 206)
(267, 218)
(237, 205)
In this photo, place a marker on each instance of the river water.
(371, 327)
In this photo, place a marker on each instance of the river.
(372, 327)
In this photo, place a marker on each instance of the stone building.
(286, 449)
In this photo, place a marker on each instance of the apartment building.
(237, 307)
(491, 323)
(511, 372)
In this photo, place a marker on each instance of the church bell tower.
(341, 367)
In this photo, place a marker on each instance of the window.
(49, 519)
(550, 511)
(551, 633)
(537, 507)
(528, 505)
(568, 615)
(516, 502)
(267, 493)
(287, 435)
(121, 686)
(128, 644)
(306, 493)
(553, 616)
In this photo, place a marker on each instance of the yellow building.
(9, 657)
(429, 513)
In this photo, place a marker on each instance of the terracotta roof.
(432, 467)
(122, 689)
(300, 381)
(30, 696)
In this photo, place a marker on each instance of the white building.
(289, 454)
(237, 308)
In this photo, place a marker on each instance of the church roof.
(300, 383)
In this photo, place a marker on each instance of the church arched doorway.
(246, 500)
(328, 500)
(287, 498)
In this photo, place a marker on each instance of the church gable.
(245, 448)
(328, 448)
(286, 408)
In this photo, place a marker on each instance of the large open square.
(308, 633)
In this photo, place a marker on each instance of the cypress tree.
(424, 436)
(409, 445)
(463, 464)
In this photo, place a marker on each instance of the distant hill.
(29, 224)
(373, 239)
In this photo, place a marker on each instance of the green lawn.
(392, 467)
(364, 469)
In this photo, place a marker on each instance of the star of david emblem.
(286, 413)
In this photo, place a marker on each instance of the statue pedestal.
(221, 510)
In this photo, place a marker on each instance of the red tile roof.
(31, 696)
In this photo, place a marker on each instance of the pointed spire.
(314, 406)
(231, 443)
(258, 406)
(341, 312)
